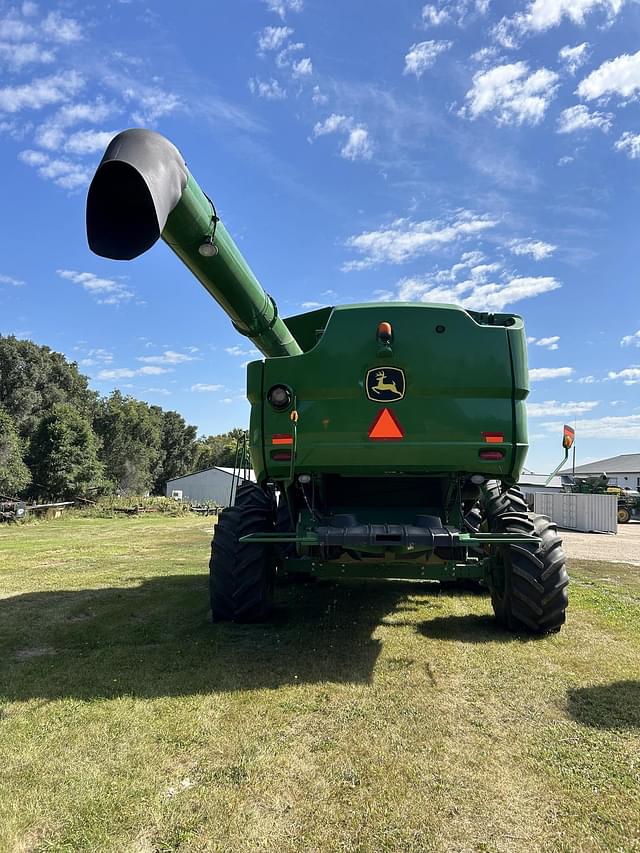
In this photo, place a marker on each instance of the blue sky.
(475, 152)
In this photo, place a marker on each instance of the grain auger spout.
(143, 190)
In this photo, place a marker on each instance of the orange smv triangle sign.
(385, 427)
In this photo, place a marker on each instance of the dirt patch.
(623, 547)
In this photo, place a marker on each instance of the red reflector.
(281, 455)
(281, 439)
(385, 329)
(493, 437)
(385, 427)
(491, 455)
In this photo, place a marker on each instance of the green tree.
(14, 474)
(218, 450)
(131, 436)
(34, 378)
(63, 455)
(178, 444)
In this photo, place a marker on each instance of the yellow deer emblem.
(381, 385)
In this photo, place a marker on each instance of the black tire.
(624, 515)
(241, 574)
(529, 585)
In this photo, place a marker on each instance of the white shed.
(212, 485)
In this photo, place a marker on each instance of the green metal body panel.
(469, 379)
(227, 276)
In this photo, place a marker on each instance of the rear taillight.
(491, 455)
(281, 455)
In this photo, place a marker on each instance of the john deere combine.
(386, 438)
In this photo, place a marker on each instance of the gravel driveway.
(621, 548)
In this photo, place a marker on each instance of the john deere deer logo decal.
(385, 384)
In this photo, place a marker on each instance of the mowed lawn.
(365, 717)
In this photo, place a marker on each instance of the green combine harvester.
(386, 438)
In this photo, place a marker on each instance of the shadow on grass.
(607, 706)
(157, 639)
(470, 628)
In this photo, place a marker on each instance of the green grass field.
(365, 717)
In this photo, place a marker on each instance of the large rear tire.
(624, 515)
(241, 574)
(529, 582)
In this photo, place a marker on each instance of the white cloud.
(511, 93)
(60, 29)
(272, 38)
(550, 343)
(41, 92)
(331, 124)
(539, 374)
(619, 76)
(477, 292)
(542, 15)
(63, 173)
(105, 291)
(309, 306)
(152, 370)
(358, 145)
(51, 133)
(552, 408)
(537, 249)
(96, 356)
(630, 375)
(631, 340)
(303, 68)
(608, 427)
(573, 58)
(29, 9)
(423, 55)
(13, 28)
(236, 350)
(201, 387)
(286, 56)
(128, 373)
(434, 17)
(485, 55)
(11, 281)
(579, 118)
(152, 102)
(271, 89)
(587, 380)
(89, 141)
(318, 97)
(456, 12)
(17, 56)
(630, 144)
(167, 357)
(116, 373)
(281, 7)
(404, 239)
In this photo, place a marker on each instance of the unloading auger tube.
(143, 190)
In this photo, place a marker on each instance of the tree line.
(59, 439)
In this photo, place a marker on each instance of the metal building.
(212, 485)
